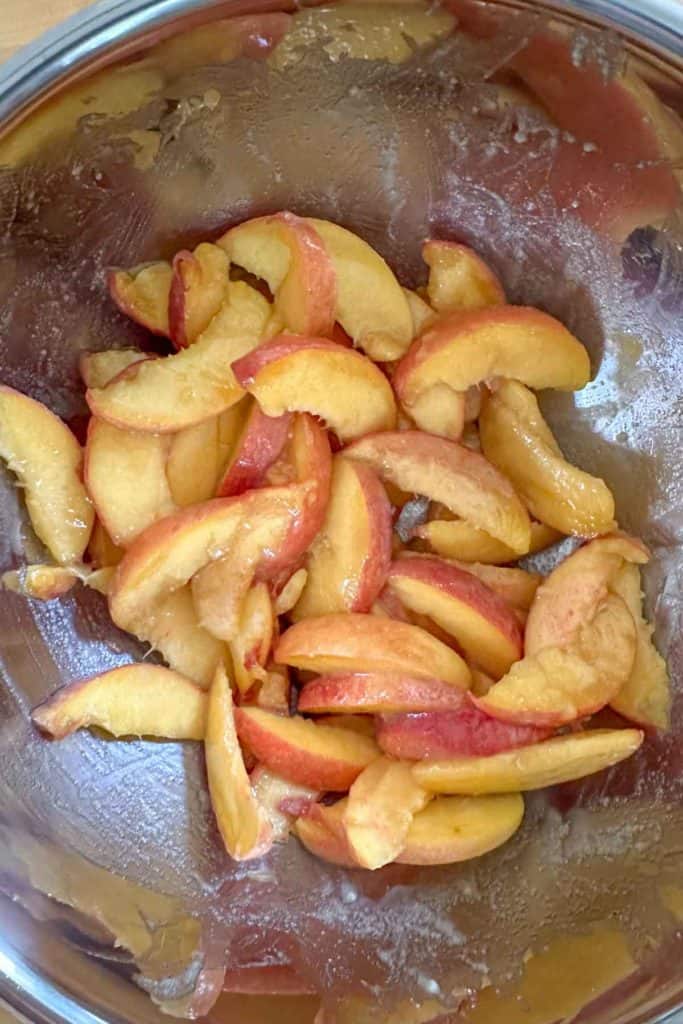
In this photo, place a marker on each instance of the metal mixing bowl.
(136, 131)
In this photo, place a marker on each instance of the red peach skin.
(260, 442)
(376, 693)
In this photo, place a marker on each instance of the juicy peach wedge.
(562, 759)
(47, 460)
(142, 294)
(456, 538)
(256, 448)
(135, 700)
(171, 626)
(459, 278)
(449, 473)
(453, 829)
(198, 455)
(322, 833)
(98, 368)
(283, 801)
(199, 287)
(42, 582)
(376, 693)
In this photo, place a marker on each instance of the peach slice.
(258, 445)
(134, 700)
(561, 759)
(47, 460)
(516, 439)
(171, 627)
(379, 812)
(289, 255)
(459, 539)
(98, 368)
(481, 621)
(273, 692)
(165, 395)
(290, 592)
(457, 828)
(199, 287)
(350, 558)
(370, 304)
(283, 801)
(440, 411)
(321, 832)
(469, 347)
(125, 475)
(351, 643)
(463, 732)
(197, 456)
(516, 586)
(645, 697)
(250, 647)
(376, 693)
(142, 294)
(342, 387)
(102, 552)
(362, 724)
(319, 756)
(557, 686)
(422, 313)
(571, 595)
(459, 278)
(41, 582)
(242, 822)
(447, 472)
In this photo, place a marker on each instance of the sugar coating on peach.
(457, 828)
(142, 294)
(459, 278)
(376, 693)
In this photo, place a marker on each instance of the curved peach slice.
(459, 278)
(171, 627)
(481, 621)
(571, 595)
(197, 455)
(561, 759)
(125, 475)
(47, 460)
(283, 801)
(456, 538)
(379, 812)
(319, 756)
(367, 643)
(558, 686)
(451, 474)
(321, 832)
(98, 368)
(376, 693)
(463, 732)
(422, 313)
(166, 395)
(250, 647)
(342, 387)
(41, 582)
(363, 724)
(290, 592)
(199, 287)
(241, 820)
(469, 347)
(142, 294)
(349, 559)
(273, 691)
(370, 304)
(134, 700)
(258, 445)
(102, 552)
(517, 440)
(456, 828)
(645, 697)
(516, 586)
(440, 411)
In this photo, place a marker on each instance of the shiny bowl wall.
(137, 131)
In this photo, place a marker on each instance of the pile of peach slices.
(311, 510)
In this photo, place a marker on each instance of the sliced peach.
(290, 592)
(464, 732)
(456, 538)
(370, 304)
(457, 828)
(289, 255)
(319, 756)
(469, 347)
(342, 387)
(41, 582)
(559, 685)
(354, 643)
(379, 812)
(516, 439)
(440, 411)
(422, 313)
(273, 692)
(645, 697)
(102, 551)
(459, 278)
(376, 693)
(561, 759)
(481, 621)
(199, 287)
(321, 832)
(171, 627)
(47, 460)
(447, 472)
(362, 724)
(571, 595)
(98, 368)
(250, 647)
(516, 586)
(125, 475)
(349, 559)
(241, 820)
(142, 294)
(134, 700)
(169, 394)
(283, 801)
(257, 446)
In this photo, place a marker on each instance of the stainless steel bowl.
(135, 130)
